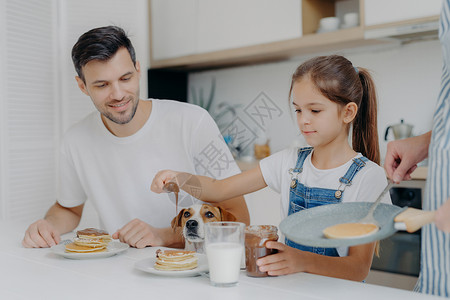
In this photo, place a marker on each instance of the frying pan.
(305, 227)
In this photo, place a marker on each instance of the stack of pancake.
(175, 260)
(89, 240)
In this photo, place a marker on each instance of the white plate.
(147, 264)
(114, 247)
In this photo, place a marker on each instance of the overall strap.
(302, 155)
(358, 164)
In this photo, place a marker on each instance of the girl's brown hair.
(337, 79)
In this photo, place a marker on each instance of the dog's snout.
(191, 224)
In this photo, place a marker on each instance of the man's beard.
(122, 118)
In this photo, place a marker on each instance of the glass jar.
(256, 237)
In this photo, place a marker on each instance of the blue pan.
(305, 227)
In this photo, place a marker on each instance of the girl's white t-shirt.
(366, 185)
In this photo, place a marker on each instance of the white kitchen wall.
(28, 114)
(407, 78)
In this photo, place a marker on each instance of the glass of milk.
(224, 244)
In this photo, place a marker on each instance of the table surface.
(42, 274)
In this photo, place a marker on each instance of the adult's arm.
(46, 232)
(238, 207)
(139, 234)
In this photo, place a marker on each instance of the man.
(110, 158)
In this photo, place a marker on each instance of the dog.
(192, 220)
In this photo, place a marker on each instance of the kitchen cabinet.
(173, 28)
(385, 12)
(404, 18)
(183, 27)
(235, 23)
(215, 33)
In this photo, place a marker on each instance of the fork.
(65, 242)
(369, 219)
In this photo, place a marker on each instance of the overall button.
(293, 183)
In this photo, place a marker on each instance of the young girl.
(329, 96)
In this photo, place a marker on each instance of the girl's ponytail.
(365, 129)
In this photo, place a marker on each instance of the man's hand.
(402, 156)
(58, 220)
(139, 234)
(41, 234)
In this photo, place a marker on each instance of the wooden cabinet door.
(235, 23)
(173, 28)
(378, 12)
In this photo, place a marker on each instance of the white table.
(41, 274)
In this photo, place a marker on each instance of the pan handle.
(414, 218)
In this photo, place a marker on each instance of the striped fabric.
(435, 261)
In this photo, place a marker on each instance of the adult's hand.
(139, 234)
(402, 156)
(442, 217)
(41, 234)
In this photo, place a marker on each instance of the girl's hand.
(288, 260)
(161, 178)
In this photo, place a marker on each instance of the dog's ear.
(225, 215)
(176, 222)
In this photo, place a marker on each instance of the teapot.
(401, 130)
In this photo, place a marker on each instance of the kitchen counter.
(420, 173)
(42, 274)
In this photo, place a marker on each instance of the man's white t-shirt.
(367, 184)
(115, 173)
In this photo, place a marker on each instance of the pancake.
(350, 230)
(89, 240)
(94, 234)
(90, 243)
(175, 260)
(72, 247)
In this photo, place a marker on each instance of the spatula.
(369, 219)
(413, 219)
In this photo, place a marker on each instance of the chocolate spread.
(172, 187)
(92, 231)
(256, 237)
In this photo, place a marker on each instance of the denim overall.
(303, 197)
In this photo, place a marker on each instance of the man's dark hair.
(100, 44)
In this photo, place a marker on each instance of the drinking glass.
(224, 244)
